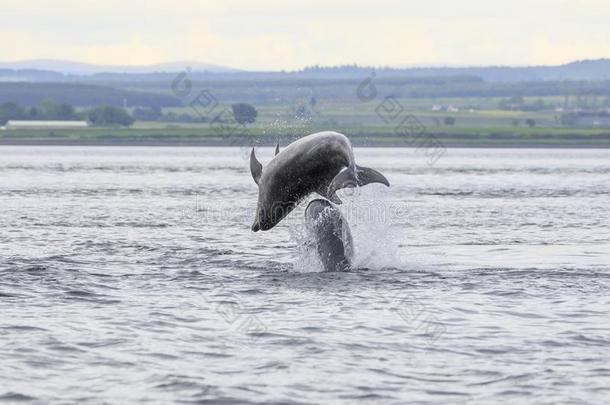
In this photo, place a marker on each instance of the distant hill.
(155, 89)
(79, 68)
(30, 75)
(587, 70)
(43, 70)
(582, 70)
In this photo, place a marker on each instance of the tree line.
(272, 88)
(105, 115)
(243, 114)
(81, 95)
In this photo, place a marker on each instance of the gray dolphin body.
(321, 162)
(331, 234)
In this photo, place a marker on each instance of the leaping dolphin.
(322, 162)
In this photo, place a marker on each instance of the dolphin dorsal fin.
(256, 168)
(277, 148)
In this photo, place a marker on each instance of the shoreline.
(504, 144)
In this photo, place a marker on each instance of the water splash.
(369, 214)
(307, 259)
(367, 211)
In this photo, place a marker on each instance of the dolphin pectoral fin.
(277, 148)
(256, 168)
(345, 178)
(334, 198)
(366, 175)
(331, 197)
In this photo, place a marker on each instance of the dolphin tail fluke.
(355, 176)
(366, 175)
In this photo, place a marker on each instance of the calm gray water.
(131, 275)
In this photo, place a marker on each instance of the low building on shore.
(31, 124)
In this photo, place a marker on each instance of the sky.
(289, 35)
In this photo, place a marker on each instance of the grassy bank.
(370, 135)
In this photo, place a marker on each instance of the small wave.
(16, 397)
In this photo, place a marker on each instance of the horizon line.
(187, 64)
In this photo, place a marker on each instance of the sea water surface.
(130, 275)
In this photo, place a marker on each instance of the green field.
(471, 112)
(205, 134)
(477, 122)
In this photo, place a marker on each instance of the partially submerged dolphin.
(331, 234)
(321, 163)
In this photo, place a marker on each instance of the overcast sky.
(285, 34)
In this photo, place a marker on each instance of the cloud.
(132, 51)
(363, 42)
(545, 50)
(280, 34)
